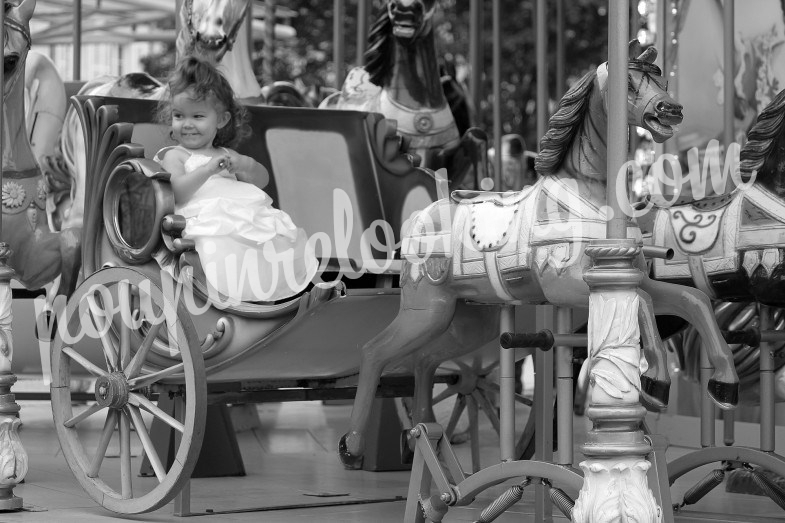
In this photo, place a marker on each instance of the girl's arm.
(248, 170)
(185, 185)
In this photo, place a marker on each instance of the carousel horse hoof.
(350, 461)
(655, 394)
(725, 395)
(49, 322)
(407, 447)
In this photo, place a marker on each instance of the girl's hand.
(218, 163)
(234, 162)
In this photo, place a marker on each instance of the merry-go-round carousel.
(392, 260)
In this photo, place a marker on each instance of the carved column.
(13, 457)
(615, 487)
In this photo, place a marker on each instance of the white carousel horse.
(37, 255)
(528, 247)
(402, 81)
(211, 29)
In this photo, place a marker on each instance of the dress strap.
(162, 152)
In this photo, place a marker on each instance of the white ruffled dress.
(249, 250)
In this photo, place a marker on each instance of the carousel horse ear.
(649, 55)
(26, 9)
(635, 49)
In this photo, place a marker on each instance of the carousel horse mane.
(763, 155)
(564, 126)
(380, 54)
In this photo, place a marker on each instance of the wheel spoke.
(147, 443)
(103, 333)
(92, 409)
(457, 410)
(133, 368)
(144, 381)
(103, 443)
(125, 456)
(482, 401)
(489, 386)
(443, 395)
(126, 321)
(137, 400)
(84, 362)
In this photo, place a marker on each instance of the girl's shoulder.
(174, 152)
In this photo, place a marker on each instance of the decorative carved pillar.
(13, 457)
(615, 487)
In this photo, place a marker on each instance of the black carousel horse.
(402, 80)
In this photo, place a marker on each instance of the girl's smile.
(195, 122)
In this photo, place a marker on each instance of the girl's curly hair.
(206, 82)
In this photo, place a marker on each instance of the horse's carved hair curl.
(564, 125)
(379, 56)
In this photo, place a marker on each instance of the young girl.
(249, 250)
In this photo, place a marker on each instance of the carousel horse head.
(405, 22)
(649, 106)
(17, 41)
(210, 27)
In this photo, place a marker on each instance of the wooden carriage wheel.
(128, 311)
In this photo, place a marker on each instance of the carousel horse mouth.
(404, 28)
(663, 124)
(213, 48)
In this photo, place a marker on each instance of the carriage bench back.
(336, 173)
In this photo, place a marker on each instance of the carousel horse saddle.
(491, 216)
(718, 231)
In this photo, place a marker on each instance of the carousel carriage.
(163, 338)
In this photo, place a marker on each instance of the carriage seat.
(338, 174)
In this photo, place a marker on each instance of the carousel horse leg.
(655, 382)
(70, 259)
(418, 322)
(695, 307)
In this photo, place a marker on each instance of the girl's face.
(196, 122)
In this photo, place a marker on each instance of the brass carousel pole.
(615, 485)
(13, 457)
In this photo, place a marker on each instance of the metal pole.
(615, 469)
(728, 134)
(475, 53)
(617, 113)
(507, 388)
(497, 95)
(339, 50)
(268, 42)
(561, 86)
(564, 394)
(362, 30)
(11, 447)
(542, 68)
(767, 396)
(249, 26)
(77, 40)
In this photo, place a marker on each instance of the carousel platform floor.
(293, 475)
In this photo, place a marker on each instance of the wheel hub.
(112, 390)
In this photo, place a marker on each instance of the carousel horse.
(210, 29)
(402, 81)
(528, 247)
(37, 255)
(732, 245)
